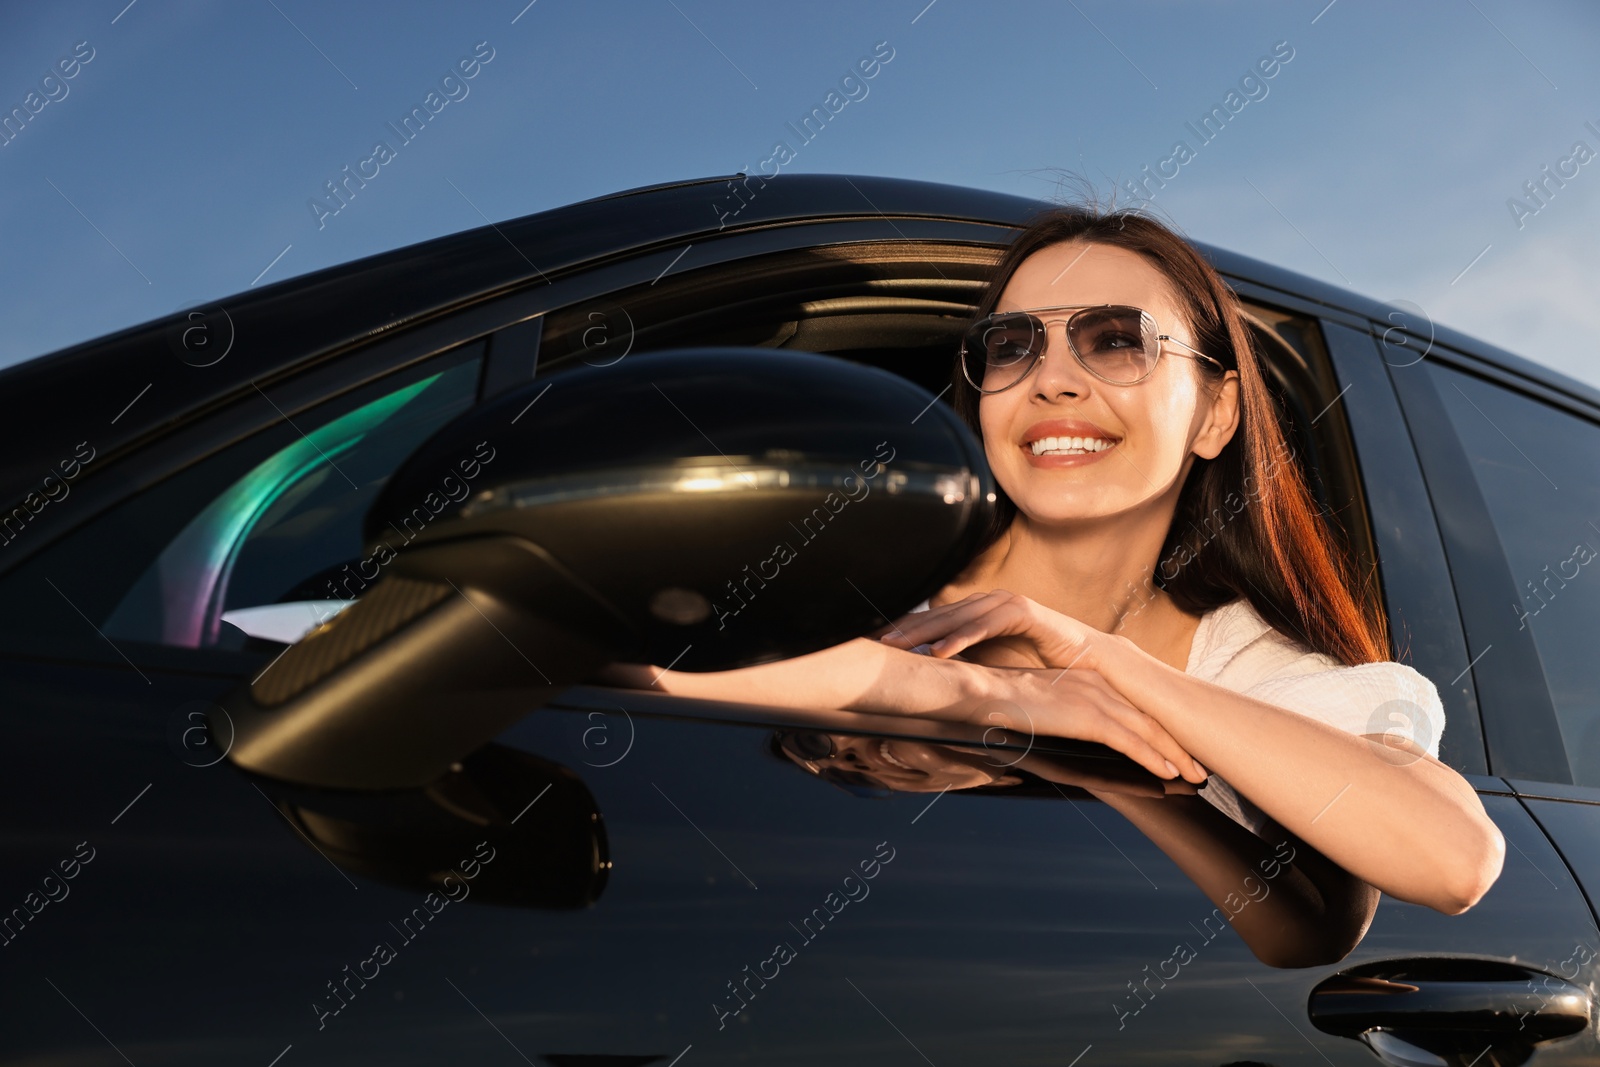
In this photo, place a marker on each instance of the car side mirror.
(703, 509)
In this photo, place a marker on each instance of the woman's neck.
(1101, 573)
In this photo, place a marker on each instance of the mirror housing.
(715, 500)
(703, 509)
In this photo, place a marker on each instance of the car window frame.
(1334, 441)
(1412, 562)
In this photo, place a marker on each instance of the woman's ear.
(1222, 420)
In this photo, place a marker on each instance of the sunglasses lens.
(1117, 343)
(1000, 349)
(808, 745)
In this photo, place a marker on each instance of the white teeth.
(1069, 446)
(883, 750)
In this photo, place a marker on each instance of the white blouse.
(1236, 648)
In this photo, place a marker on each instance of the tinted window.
(1538, 468)
(261, 557)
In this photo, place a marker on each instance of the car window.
(263, 558)
(1538, 468)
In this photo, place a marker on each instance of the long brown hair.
(1268, 543)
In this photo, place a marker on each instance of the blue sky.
(178, 163)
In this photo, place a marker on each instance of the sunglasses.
(1116, 343)
(812, 746)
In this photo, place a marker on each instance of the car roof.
(303, 320)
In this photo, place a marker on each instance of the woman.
(1158, 578)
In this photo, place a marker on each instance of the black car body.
(680, 892)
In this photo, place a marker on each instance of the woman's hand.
(1058, 640)
(1080, 704)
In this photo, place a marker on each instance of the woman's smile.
(1056, 443)
(884, 751)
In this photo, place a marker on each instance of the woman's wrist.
(1105, 653)
(979, 685)
(910, 683)
(1121, 663)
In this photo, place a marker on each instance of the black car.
(304, 595)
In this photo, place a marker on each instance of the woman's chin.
(1053, 508)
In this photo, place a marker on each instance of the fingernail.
(1172, 770)
(937, 644)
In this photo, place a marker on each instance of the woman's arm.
(1411, 826)
(866, 675)
(859, 675)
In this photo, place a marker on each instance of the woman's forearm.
(859, 675)
(1412, 827)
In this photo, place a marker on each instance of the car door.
(1518, 464)
(656, 879)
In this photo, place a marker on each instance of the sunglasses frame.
(1078, 309)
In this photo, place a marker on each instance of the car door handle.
(1438, 1011)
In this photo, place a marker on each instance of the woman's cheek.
(1002, 459)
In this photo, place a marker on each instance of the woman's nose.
(1059, 372)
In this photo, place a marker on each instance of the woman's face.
(1152, 427)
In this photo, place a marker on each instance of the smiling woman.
(1259, 662)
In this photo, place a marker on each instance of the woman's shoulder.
(1234, 640)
